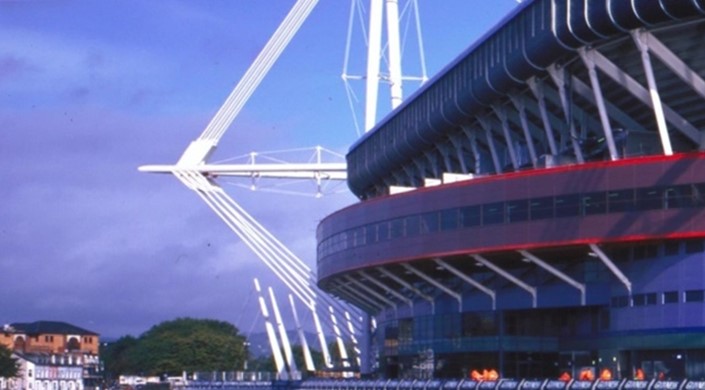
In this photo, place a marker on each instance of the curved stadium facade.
(539, 206)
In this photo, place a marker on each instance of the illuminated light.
(586, 374)
(639, 374)
(606, 375)
(475, 375)
(592, 254)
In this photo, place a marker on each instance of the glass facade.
(521, 210)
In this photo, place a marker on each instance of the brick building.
(53, 355)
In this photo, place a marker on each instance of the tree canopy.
(184, 344)
(8, 364)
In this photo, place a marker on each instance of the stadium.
(537, 208)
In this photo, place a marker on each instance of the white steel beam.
(559, 78)
(536, 87)
(358, 298)
(639, 92)
(394, 50)
(271, 334)
(286, 345)
(556, 272)
(409, 287)
(321, 336)
(256, 72)
(530, 289)
(373, 293)
(484, 123)
(675, 64)
(339, 338)
(469, 281)
(499, 112)
(639, 40)
(374, 46)
(588, 57)
(308, 359)
(612, 267)
(328, 171)
(475, 151)
(518, 103)
(387, 289)
(458, 297)
(353, 339)
(458, 145)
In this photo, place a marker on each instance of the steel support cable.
(269, 245)
(244, 221)
(207, 194)
(308, 276)
(220, 202)
(303, 268)
(245, 88)
(254, 75)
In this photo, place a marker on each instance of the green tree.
(184, 344)
(8, 364)
(117, 357)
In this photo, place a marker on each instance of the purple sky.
(90, 90)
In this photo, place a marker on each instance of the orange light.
(492, 375)
(586, 374)
(565, 377)
(475, 375)
(639, 374)
(606, 375)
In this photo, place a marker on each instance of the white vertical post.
(321, 336)
(639, 39)
(373, 56)
(353, 339)
(286, 345)
(339, 340)
(394, 52)
(587, 56)
(302, 337)
(271, 335)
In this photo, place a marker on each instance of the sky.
(90, 90)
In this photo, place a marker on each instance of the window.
(594, 203)
(449, 219)
(567, 205)
(383, 231)
(517, 210)
(694, 245)
(620, 301)
(359, 236)
(671, 248)
(370, 234)
(645, 251)
(396, 228)
(493, 213)
(649, 198)
(694, 296)
(541, 208)
(470, 216)
(670, 297)
(429, 223)
(644, 299)
(412, 226)
(620, 201)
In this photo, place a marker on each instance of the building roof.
(56, 327)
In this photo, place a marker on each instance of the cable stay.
(293, 272)
(194, 170)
